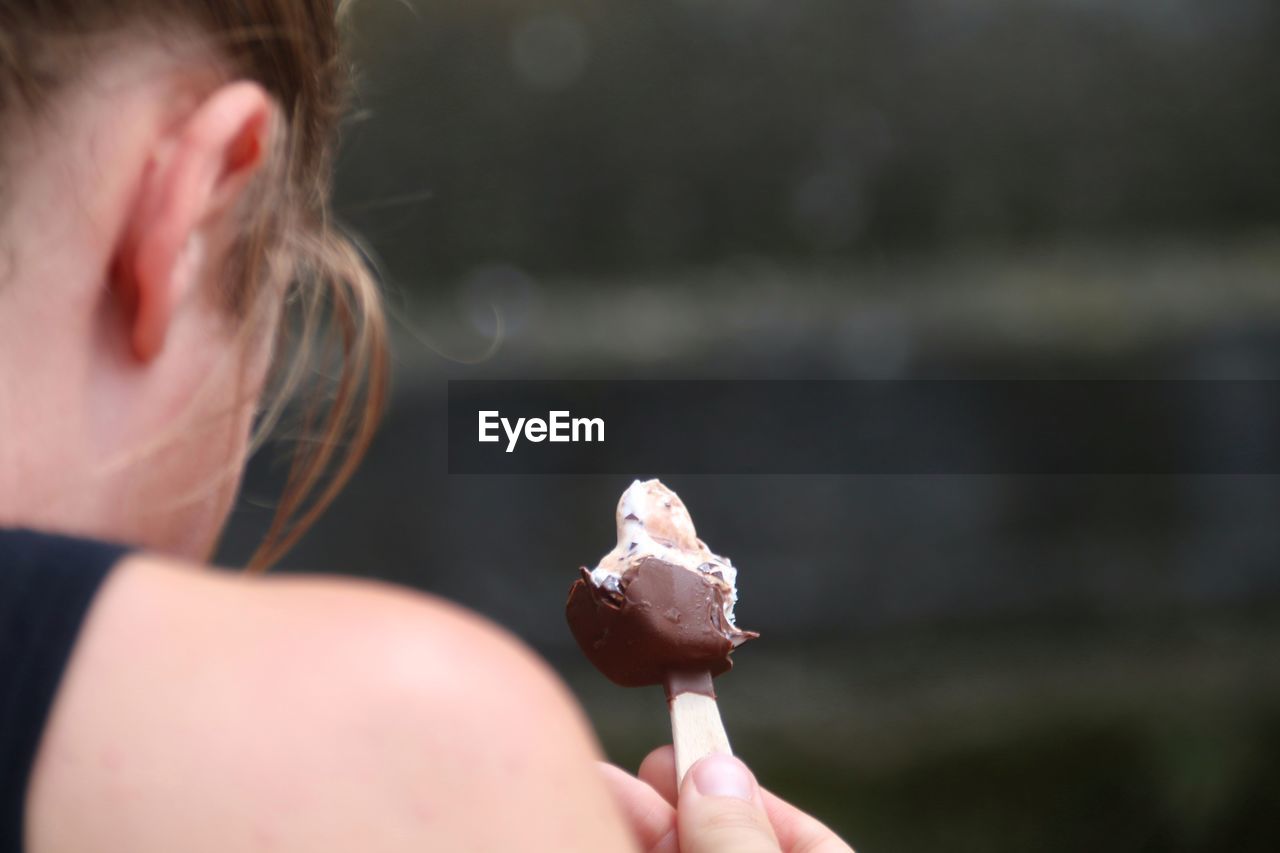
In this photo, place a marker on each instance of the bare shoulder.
(204, 710)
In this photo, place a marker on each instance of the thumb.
(721, 810)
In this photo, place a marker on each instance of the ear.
(197, 171)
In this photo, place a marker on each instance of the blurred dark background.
(845, 189)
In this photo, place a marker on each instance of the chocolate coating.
(666, 620)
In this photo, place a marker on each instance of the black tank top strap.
(47, 584)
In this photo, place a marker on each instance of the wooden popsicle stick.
(696, 729)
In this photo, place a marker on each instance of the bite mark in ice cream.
(660, 604)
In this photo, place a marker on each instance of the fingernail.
(722, 776)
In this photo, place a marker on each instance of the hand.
(719, 809)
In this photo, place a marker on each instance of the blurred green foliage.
(842, 189)
(562, 135)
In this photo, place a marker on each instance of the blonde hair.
(332, 306)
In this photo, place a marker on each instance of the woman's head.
(164, 181)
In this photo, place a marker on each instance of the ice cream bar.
(659, 607)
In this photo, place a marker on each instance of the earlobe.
(198, 170)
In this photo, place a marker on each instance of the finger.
(651, 818)
(722, 811)
(659, 770)
(798, 831)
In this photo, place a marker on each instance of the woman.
(164, 173)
